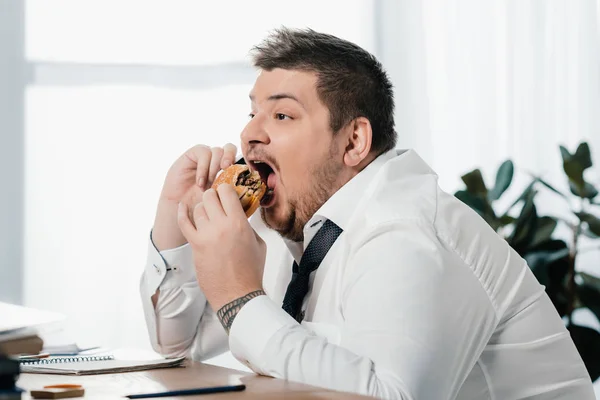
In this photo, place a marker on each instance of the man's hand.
(229, 256)
(188, 177)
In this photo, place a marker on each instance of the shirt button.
(156, 268)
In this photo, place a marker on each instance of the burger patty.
(251, 183)
(246, 179)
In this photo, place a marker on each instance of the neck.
(350, 172)
(344, 176)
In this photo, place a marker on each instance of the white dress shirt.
(417, 299)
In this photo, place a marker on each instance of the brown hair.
(350, 80)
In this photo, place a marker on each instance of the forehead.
(300, 84)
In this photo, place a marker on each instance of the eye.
(282, 117)
(251, 115)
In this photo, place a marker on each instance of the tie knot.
(320, 244)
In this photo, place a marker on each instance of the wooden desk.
(115, 386)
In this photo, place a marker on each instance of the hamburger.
(247, 183)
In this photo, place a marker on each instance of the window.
(118, 91)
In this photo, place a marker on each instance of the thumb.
(184, 222)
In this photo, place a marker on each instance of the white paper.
(14, 317)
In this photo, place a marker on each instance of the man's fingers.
(215, 163)
(230, 201)
(183, 220)
(209, 161)
(212, 205)
(229, 153)
(201, 155)
(199, 214)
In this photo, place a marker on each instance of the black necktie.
(312, 257)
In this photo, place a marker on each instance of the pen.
(33, 356)
(188, 392)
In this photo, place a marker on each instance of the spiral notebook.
(91, 365)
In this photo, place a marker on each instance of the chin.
(276, 219)
(271, 218)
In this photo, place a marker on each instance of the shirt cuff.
(170, 268)
(253, 328)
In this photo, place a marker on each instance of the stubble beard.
(301, 210)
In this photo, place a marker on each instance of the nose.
(255, 132)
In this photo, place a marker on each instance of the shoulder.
(405, 195)
(403, 192)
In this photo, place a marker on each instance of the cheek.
(296, 167)
(298, 182)
(299, 151)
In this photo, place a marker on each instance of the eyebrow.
(279, 96)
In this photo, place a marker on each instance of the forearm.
(274, 344)
(181, 325)
(297, 354)
(179, 321)
(229, 311)
(178, 313)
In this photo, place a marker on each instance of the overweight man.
(358, 273)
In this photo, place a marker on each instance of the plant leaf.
(504, 178)
(587, 191)
(591, 280)
(543, 233)
(574, 171)
(551, 245)
(552, 269)
(475, 202)
(590, 298)
(523, 196)
(566, 156)
(540, 261)
(525, 226)
(537, 263)
(549, 262)
(587, 233)
(506, 220)
(589, 293)
(587, 341)
(582, 155)
(592, 221)
(474, 182)
(543, 182)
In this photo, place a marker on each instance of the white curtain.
(481, 81)
(478, 82)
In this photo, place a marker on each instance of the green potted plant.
(552, 260)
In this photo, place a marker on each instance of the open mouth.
(267, 175)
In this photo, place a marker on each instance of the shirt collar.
(338, 208)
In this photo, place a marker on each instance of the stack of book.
(18, 329)
(20, 342)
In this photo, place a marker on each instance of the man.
(382, 285)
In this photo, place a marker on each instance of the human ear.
(358, 142)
